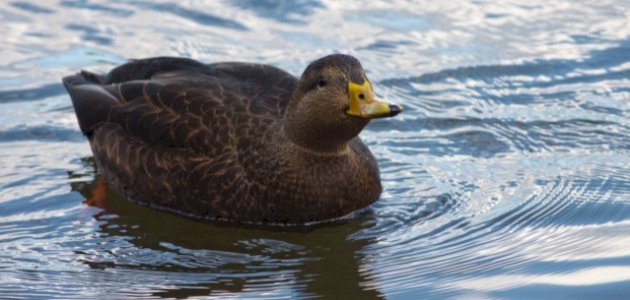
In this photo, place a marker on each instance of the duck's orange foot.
(99, 195)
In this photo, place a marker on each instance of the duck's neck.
(310, 141)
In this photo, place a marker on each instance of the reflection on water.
(508, 175)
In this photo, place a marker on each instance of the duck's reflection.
(212, 259)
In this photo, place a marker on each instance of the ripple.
(281, 11)
(90, 5)
(30, 7)
(31, 94)
(461, 244)
(196, 16)
(40, 133)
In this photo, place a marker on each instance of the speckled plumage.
(214, 142)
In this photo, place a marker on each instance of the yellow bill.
(364, 104)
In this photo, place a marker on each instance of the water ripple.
(190, 14)
(30, 7)
(31, 94)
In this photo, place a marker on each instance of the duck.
(234, 141)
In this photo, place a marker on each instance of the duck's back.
(183, 136)
(260, 89)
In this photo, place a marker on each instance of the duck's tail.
(91, 101)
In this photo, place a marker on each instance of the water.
(508, 175)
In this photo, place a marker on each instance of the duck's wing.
(190, 128)
(180, 102)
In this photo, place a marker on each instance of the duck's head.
(332, 103)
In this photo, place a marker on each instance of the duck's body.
(214, 142)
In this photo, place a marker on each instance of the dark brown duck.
(234, 141)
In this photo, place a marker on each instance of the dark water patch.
(197, 16)
(602, 109)
(607, 57)
(620, 89)
(40, 133)
(32, 94)
(585, 39)
(496, 136)
(9, 15)
(495, 15)
(473, 143)
(385, 45)
(90, 34)
(91, 5)
(31, 7)
(281, 11)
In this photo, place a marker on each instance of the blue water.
(508, 175)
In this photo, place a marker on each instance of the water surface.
(508, 175)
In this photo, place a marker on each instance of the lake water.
(508, 175)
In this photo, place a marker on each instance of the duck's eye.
(321, 82)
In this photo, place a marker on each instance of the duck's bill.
(364, 104)
(376, 109)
